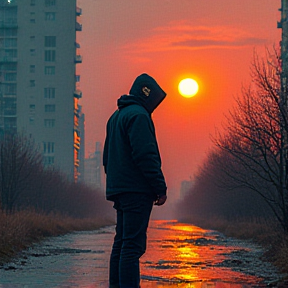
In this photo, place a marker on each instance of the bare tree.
(19, 163)
(26, 183)
(255, 136)
(215, 194)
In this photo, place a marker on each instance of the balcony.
(10, 113)
(76, 123)
(7, 59)
(78, 26)
(76, 113)
(7, 3)
(9, 95)
(77, 141)
(78, 59)
(76, 162)
(76, 134)
(78, 94)
(77, 146)
(8, 24)
(8, 77)
(78, 11)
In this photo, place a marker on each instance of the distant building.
(186, 186)
(39, 86)
(93, 168)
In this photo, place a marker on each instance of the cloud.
(186, 36)
(210, 43)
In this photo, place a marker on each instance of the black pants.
(133, 213)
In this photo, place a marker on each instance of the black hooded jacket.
(131, 157)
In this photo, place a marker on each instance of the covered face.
(146, 87)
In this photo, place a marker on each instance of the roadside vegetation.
(20, 230)
(242, 187)
(38, 201)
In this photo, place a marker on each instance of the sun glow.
(188, 87)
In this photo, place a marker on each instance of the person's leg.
(116, 249)
(136, 213)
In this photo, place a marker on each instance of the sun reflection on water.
(188, 228)
(182, 253)
(194, 285)
(186, 252)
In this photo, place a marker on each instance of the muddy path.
(178, 255)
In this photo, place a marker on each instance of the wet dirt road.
(178, 255)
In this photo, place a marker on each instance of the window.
(10, 66)
(50, 108)
(10, 123)
(49, 93)
(32, 2)
(32, 52)
(50, 16)
(32, 17)
(32, 113)
(7, 89)
(49, 70)
(50, 55)
(32, 108)
(8, 16)
(32, 68)
(10, 42)
(8, 32)
(49, 123)
(49, 3)
(32, 39)
(10, 77)
(48, 160)
(50, 41)
(10, 89)
(48, 147)
(10, 53)
(32, 83)
(10, 107)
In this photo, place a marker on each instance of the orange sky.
(212, 41)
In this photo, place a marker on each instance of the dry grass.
(266, 233)
(20, 230)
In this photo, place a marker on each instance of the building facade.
(39, 85)
(93, 168)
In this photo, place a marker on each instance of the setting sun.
(188, 87)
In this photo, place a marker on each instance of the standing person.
(134, 179)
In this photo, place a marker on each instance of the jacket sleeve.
(145, 152)
(105, 151)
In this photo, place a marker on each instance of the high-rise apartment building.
(39, 90)
(93, 168)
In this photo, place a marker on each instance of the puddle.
(178, 255)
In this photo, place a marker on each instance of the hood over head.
(148, 89)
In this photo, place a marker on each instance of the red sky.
(212, 41)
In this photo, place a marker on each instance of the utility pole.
(283, 24)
